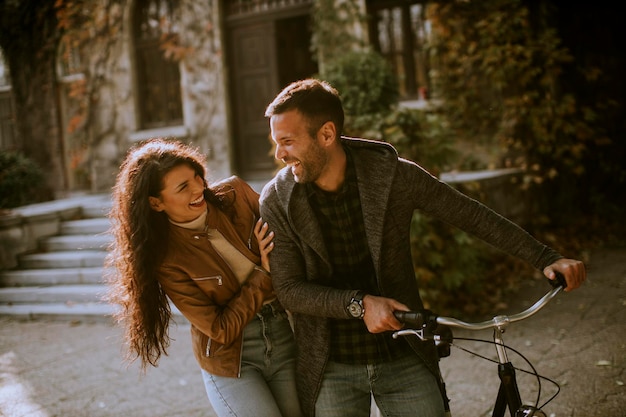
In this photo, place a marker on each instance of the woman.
(177, 238)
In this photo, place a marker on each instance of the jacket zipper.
(251, 232)
(207, 353)
(240, 357)
(217, 277)
(249, 247)
(219, 282)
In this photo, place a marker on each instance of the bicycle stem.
(499, 342)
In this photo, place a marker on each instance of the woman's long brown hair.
(140, 238)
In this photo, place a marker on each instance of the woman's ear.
(155, 204)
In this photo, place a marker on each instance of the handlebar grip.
(559, 281)
(414, 318)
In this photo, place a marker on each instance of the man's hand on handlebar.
(379, 313)
(573, 271)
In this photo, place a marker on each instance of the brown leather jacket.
(205, 290)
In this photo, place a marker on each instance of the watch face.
(355, 309)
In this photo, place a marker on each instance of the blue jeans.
(401, 388)
(266, 386)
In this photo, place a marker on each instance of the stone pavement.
(52, 369)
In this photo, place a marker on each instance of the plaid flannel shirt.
(341, 221)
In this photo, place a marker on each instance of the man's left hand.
(573, 271)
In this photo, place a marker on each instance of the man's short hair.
(316, 100)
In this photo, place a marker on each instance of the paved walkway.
(75, 369)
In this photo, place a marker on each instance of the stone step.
(66, 259)
(57, 276)
(76, 242)
(64, 281)
(92, 226)
(70, 312)
(96, 207)
(65, 294)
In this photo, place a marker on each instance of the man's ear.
(327, 133)
(155, 204)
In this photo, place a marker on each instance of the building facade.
(204, 73)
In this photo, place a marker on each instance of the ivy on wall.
(499, 77)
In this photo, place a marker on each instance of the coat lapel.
(305, 223)
(374, 171)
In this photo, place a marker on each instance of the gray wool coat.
(391, 189)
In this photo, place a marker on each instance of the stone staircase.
(63, 278)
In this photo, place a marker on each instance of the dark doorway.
(293, 40)
(265, 53)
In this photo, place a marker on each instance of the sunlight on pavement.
(15, 395)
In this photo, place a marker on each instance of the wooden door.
(254, 83)
(266, 51)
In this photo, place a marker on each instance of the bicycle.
(430, 326)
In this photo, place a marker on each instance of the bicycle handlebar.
(422, 318)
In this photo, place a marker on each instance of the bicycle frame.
(508, 392)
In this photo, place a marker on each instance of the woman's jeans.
(401, 388)
(267, 385)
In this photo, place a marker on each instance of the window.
(8, 135)
(158, 78)
(5, 80)
(69, 62)
(399, 31)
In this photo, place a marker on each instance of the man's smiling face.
(296, 148)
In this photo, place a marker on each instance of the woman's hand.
(265, 242)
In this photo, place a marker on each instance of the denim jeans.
(266, 386)
(401, 388)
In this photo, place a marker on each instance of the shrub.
(365, 82)
(503, 78)
(20, 180)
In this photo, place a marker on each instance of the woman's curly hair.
(140, 238)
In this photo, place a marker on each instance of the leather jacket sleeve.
(196, 300)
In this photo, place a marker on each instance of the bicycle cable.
(533, 373)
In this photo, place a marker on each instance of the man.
(341, 211)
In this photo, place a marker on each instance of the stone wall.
(203, 87)
(499, 189)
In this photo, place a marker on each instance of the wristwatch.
(355, 307)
